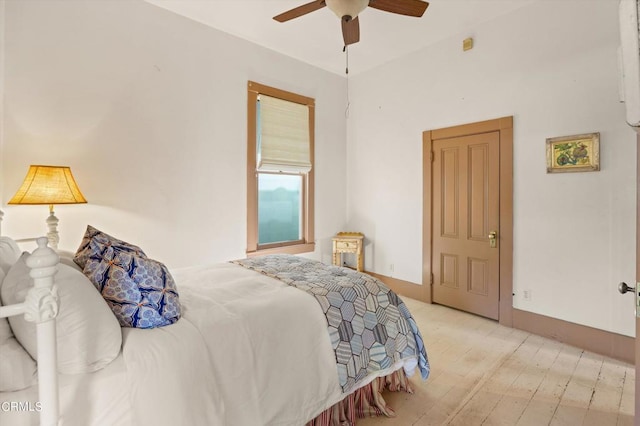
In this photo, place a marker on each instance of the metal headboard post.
(41, 307)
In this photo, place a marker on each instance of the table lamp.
(49, 185)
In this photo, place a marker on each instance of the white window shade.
(283, 136)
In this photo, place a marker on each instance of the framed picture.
(577, 153)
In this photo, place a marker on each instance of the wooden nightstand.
(348, 242)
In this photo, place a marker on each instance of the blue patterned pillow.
(96, 236)
(140, 291)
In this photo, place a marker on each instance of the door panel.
(465, 210)
(478, 283)
(478, 174)
(449, 270)
(450, 193)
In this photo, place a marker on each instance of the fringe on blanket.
(364, 402)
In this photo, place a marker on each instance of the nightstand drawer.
(346, 245)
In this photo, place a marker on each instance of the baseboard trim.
(602, 342)
(607, 343)
(404, 288)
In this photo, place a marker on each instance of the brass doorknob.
(493, 239)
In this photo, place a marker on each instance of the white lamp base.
(52, 235)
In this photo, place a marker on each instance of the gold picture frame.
(576, 153)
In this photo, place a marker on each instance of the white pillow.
(9, 253)
(88, 334)
(17, 368)
(66, 258)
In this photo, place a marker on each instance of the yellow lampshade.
(48, 185)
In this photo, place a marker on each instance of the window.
(279, 208)
(280, 140)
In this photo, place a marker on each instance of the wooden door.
(465, 211)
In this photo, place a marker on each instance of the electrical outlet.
(526, 295)
(391, 267)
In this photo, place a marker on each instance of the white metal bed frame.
(41, 307)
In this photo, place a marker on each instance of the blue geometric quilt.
(370, 327)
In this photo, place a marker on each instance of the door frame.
(637, 338)
(504, 126)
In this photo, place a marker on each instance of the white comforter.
(268, 345)
(249, 350)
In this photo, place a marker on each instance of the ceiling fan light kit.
(348, 11)
(349, 8)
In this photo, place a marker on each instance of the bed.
(253, 346)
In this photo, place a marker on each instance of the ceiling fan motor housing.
(344, 8)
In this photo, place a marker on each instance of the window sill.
(293, 249)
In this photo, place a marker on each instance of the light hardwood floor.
(485, 374)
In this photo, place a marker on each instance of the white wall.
(149, 110)
(2, 31)
(553, 66)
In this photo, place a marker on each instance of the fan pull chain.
(345, 50)
(346, 71)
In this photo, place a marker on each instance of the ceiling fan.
(348, 10)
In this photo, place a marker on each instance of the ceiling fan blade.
(350, 30)
(296, 12)
(402, 7)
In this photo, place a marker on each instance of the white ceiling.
(316, 38)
